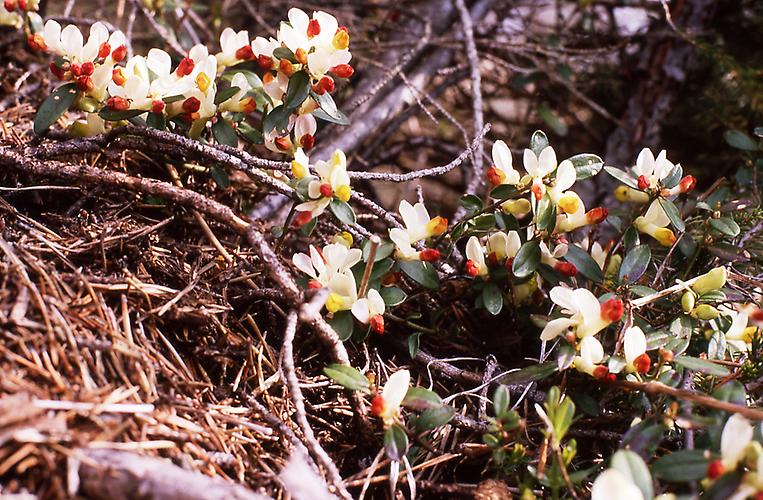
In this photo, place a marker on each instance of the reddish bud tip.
(596, 215)
(566, 269)
(687, 184)
(537, 191)
(494, 176)
(158, 106)
(118, 76)
(76, 69)
(88, 68)
(377, 405)
(245, 53)
(85, 83)
(58, 72)
(10, 5)
(185, 67)
(314, 284)
(285, 67)
(643, 183)
(119, 53)
(326, 190)
(601, 372)
(302, 218)
(377, 324)
(307, 141)
(265, 62)
(313, 28)
(282, 143)
(118, 103)
(191, 105)
(642, 363)
(714, 469)
(429, 255)
(104, 50)
(326, 83)
(36, 42)
(612, 310)
(471, 268)
(492, 259)
(343, 70)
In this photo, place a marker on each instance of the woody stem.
(375, 242)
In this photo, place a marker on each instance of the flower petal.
(395, 389)
(736, 435)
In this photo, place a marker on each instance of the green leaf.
(538, 142)
(392, 296)
(723, 487)
(739, 140)
(673, 178)
(327, 110)
(249, 133)
(384, 250)
(297, 90)
(422, 273)
(682, 466)
(251, 77)
(111, 115)
(420, 398)
(503, 192)
(622, 176)
(54, 106)
(492, 298)
(471, 203)
(342, 211)
(348, 377)
(701, 365)
(725, 225)
(157, 121)
(433, 418)
(584, 263)
(546, 215)
(527, 259)
(285, 53)
(343, 324)
(220, 176)
(224, 132)
(277, 119)
(413, 344)
(716, 346)
(395, 442)
(501, 400)
(633, 467)
(173, 98)
(586, 165)
(225, 94)
(635, 264)
(531, 373)
(672, 212)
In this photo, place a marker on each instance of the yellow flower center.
(203, 81)
(341, 40)
(298, 171)
(569, 204)
(437, 226)
(335, 303)
(343, 192)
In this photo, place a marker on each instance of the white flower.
(591, 354)
(475, 255)
(316, 41)
(323, 265)
(502, 171)
(344, 292)
(586, 316)
(502, 246)
(614, 484)
(333, 181)
(234, 48)
(736, 436)
(650, 171)
(551, 259)
(539, 167)
(634, 347)
(565, 179)
(739, 334)
(418, 226)
(654, 223)
(370, 310)
(387, 404)
(239, 102)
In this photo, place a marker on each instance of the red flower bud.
(377, 324)
(85, 83)
(537, 191)
(36, 42)
(282, 143)
(185, 67)
(10, 5)
(714, 469)
(343, 70)
(601, 372)
(245, 53)
(158, 106)
(377, 405)
(313, 28)
(302, 219)
(88, 68)
(612, 310)
(307, 141)
(104, 50)
(326, 190)
(643, 183)
(494, 176)
(687, 184)
(429, 255)
(596, 215)
(191, 105)
(265, 62)
(566, 269)
(326, 83)
(642, 363)
(119, 53)
(285, 67)
(118, 103)
(58, 72)
(118, 76)
(76, 69)
(471, 268)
